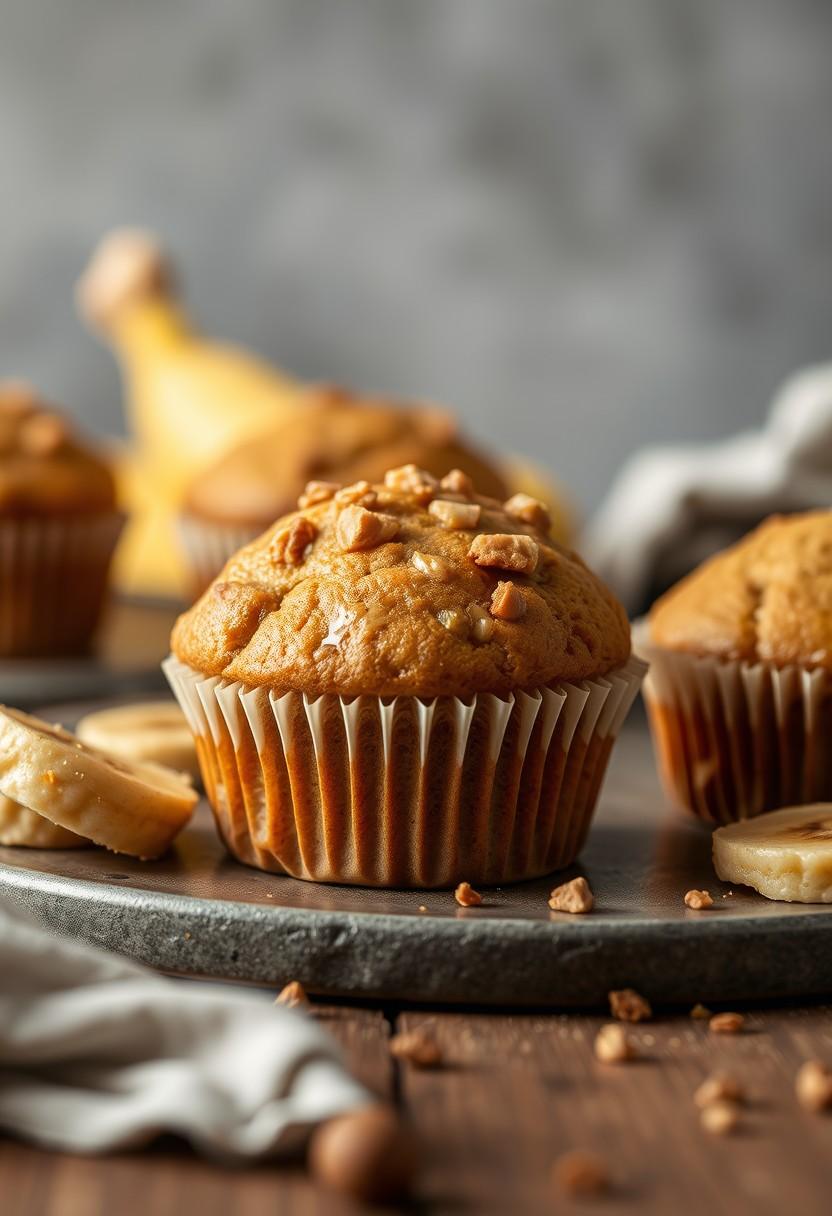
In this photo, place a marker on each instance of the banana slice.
(783, 854)
(21, 827)
(152, 730)
(134, 808)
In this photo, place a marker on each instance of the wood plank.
(170, 1180)
(517, 1091)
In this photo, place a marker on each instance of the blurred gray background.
(586, 225)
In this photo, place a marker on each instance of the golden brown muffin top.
(413, 587)
(767, 599)
(337, 437)
(43, 468)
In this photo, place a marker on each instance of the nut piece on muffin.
(338, 438)
(740, 687)
(58, 529)
(382, 697)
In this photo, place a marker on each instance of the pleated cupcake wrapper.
(404, 792)
(208, 546)
(736, 739)
(53, 581)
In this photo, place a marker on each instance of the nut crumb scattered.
(700, 1011)
(698, 900)
(613, 1045)
(466, 896)
(581, 1173)
(416, 1047)
(813, 1086)
(720, 1118)
(718, 1087)
(726, 1023)
(575, 897)
(292, 995)
(422, 908)
(629, 1006)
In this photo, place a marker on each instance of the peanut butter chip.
(293, 995)
(575, 897)
(358, 528)
(432, 566)
(813, 1086)
(466, 896)
(507, 603)
(503, 551)
(455, 514)
(629, 1006)
(290, 545)
(457, 482)
(613, 1045)
(581, 1173)
(416, 1047)
(698, 900)
(726, 1023)
(529, 511)
(317, 491)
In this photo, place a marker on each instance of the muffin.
(338, 437)
(58, 529)
(405, 684)
(740, 691)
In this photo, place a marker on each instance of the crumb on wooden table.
(627, 1005)
(416, 1047)
(581, 1173)
(613, 1045)
(292, 995)
(726, 1023)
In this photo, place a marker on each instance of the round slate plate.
(199, 913)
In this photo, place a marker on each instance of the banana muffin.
(58, 529)
(405, 683)
(740, 684)
(337, 437)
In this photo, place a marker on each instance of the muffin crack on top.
(412, 586)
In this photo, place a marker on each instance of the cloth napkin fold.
(97, 1053)
(670, 507)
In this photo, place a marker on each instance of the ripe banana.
(134, 808)
(20, 826)
(152, 730)
(784, 854)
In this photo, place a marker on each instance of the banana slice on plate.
(150, 730)
(783, 854)
(128, 807)
(21, 827)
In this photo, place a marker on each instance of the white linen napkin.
(96, 1053)
(670, 507)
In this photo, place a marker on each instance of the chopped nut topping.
(529, 511)
(613, 1045)
(720, 1118)
(317, 491)
(575, 896)
(629, 1006)
(293, 995)
(482, 626)
(455, 514)
(410, 479)
(813, 1086)
(466, 896)
(700, 1011)
(358, 528)
(417, 1047)
(360, 493)
(581, 1173)
(457, 482)
(507, 603)
(455, 622)
(433, 566)
(719, 1087)
(505, 552)
(43, 434)
(726, 1023)
(290, 545)
(698, 900)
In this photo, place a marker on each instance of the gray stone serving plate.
(196, 912)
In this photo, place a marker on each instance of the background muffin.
(379, 687)
(740, 690)
(58, 529)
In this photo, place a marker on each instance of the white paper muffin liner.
(53, 581)
(736, 739)
(208, 546)
(404, 792)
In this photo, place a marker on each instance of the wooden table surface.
(514, 1092)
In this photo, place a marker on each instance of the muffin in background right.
(739, 691)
